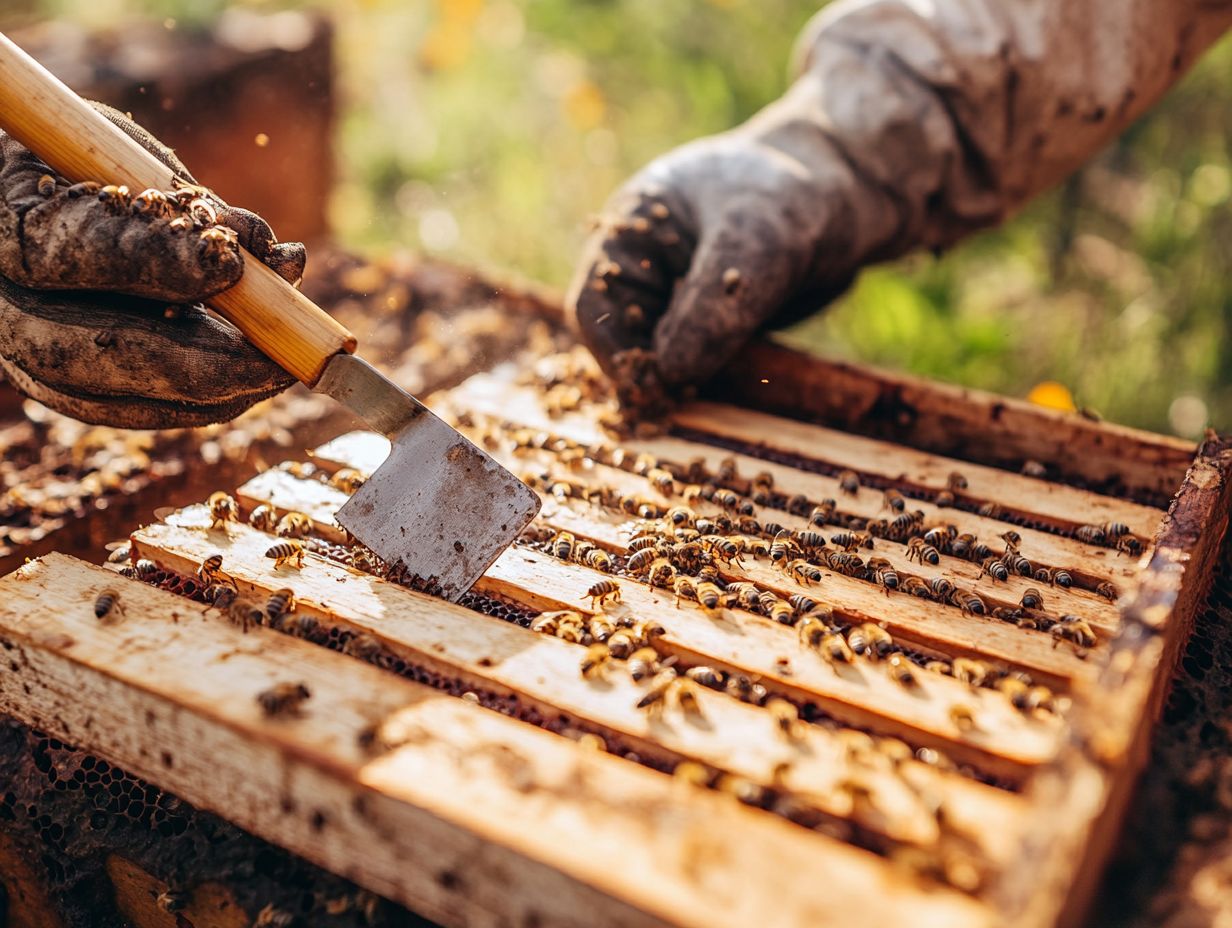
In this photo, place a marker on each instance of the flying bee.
(1072, 628)
(970, 603)
(264, 518)
(643, 663)
(347, 479)
(1091, 534)
(1128, 544)
(294, 525)
(870, 639)
(283, 699)
(848, 482)
(709, 595)
(995, 569)
(595, 661)
(898, 666)
(244, 613)
(223, 509)
(802, 571)
(969, 671)
(920, 550)
(822, 513)
(287, 554)
(107, 603)
(705, 676)
(894, 500)
(1032, 598)
(280, 604)
(563, 544)
(1107, 590)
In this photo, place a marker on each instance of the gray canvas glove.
(98, 288)
(910, 125)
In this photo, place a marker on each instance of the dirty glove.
(910, 124)
(98, 287)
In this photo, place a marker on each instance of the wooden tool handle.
(81, 144)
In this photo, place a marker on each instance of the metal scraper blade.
(438, 506)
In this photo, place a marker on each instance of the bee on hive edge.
(279, 605)
(602, 593)
(107, 604)
(347, 479)
(210, 572)
(294, 525)
(898, 666)
(287, 554)
(283, 699)
(595, 661)
(223, 509)
(786, 717)
(849, 482)
(264, 518)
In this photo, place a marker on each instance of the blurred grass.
(488, 130)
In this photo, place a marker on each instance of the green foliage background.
(488, 130)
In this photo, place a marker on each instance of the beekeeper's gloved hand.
(910, 124)
(98, 288)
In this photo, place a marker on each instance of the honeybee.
(756, 547)
(655, 697)
(803, 572)
(347, 479)
(1032, 598)
(920, 550)
(145, 570)
(709, 595)
(914, 586)
(219, 596)
(1091, 534)
(822, 513)
(870, 640)
(599, 628)
(264, 518)
(989, 510)
(223, 509)
(786, 717)
(848, 482)
(107, 603)
(46, 185)
(810, 541)
(1011, 538)
(1107, 590)
(883, 573)
(283, 699)
(705, 676)
(595, 661)
(1115, 529)
(844, 563)
(944, 499)
(663, 481)
(1128, 544)
(970, 671)
(684, 588)
(899, 668)
(115, 198)
(563, 545)
(294, 525)
(1009, 614)
(741, 687)
(362, 646)
(894, 500)
(726, 499)
(962, 544)
(995, 569)
(210, 572)
(970, 603)
(781, 611)
(1062, 579)
(956, 482)
(363, 559)
(1018, 564)
(746, 594)
(938, 536)
(602, 593)
(850, 541)
(725, 549)
(1072, 628)
(287, 554)
(643, 663)
(782, 546)
(244, 613)
(280, 604)
(803, 604)
(597, 559)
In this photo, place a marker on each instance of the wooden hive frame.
(994, 816)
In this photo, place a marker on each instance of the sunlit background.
(488, 130)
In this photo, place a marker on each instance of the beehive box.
(970, 767)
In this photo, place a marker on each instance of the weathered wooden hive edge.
(1088, 787)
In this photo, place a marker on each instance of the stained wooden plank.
(543, 672)
(951, 420)
(494, 397)
(472, 818)
(751, 644)
(1052, 502)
